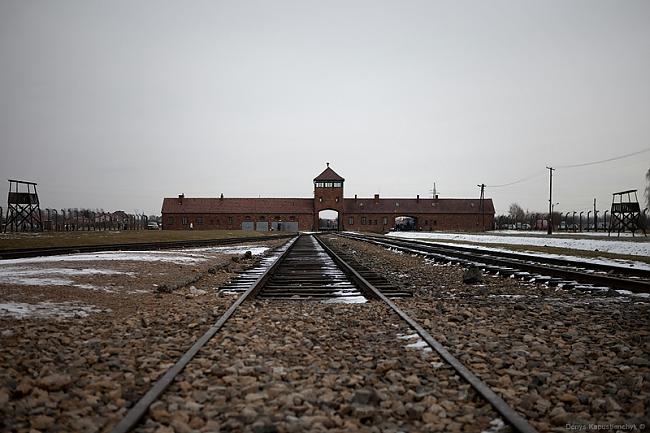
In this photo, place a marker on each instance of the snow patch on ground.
(26, 276)
(255, 250)
(44, 310)
(190, 255)
(418, 344)
(346, 300)
(177, 257)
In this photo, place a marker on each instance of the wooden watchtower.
(625, 213)
(23, 208)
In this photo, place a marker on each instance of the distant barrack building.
(293, 214)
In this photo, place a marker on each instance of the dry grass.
(68, 239)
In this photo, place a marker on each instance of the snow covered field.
(107, 272)
(641, 248)
(610, 246)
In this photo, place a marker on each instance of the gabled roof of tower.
(328, 174)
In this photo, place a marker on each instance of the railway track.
(554, 272)
(307, 269)
(142, 246)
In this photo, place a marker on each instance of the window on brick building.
(170, 220)
(385, 220)
(363, 221)
(184, 221)
(351, 221)
(229, 220)
(435, 223)
(292, 218)
(199, 221)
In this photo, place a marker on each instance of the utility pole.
(481, 205)
(550, 200)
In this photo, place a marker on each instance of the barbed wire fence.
(85, 219)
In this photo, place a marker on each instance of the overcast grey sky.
(116, 104)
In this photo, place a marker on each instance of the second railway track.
(306, 269)
(554, 272)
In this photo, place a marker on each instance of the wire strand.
(602, 161)
(532, 176)
(584, 164)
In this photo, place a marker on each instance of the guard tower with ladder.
(23, 208)
(625, 213)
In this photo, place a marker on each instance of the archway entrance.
(405, 223)
(328, 220)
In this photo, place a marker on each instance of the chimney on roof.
(180, 198)
(221, 197)
(418, 198)
(436, 196)
(376, 198)
(355, 196)
(328, 164)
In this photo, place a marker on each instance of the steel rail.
(132, 246)
(634, 285)
(601, 267)
(510, 415)
(135, 414)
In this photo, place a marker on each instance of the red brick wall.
(307, 222)
(230, 221)
(327, 198)
(424, 222)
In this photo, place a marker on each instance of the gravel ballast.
(83, 357)
(558, 356)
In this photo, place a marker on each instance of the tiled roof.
(238, 205)
(328, 174)
(405, 206)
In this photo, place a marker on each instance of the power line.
(532, 176)
(615, 158)
(584, 164)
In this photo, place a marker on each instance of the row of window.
(367, 221)
(199, 220)
(328, 184)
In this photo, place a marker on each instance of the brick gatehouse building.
(292, 214)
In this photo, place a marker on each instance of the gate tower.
(328, 195)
